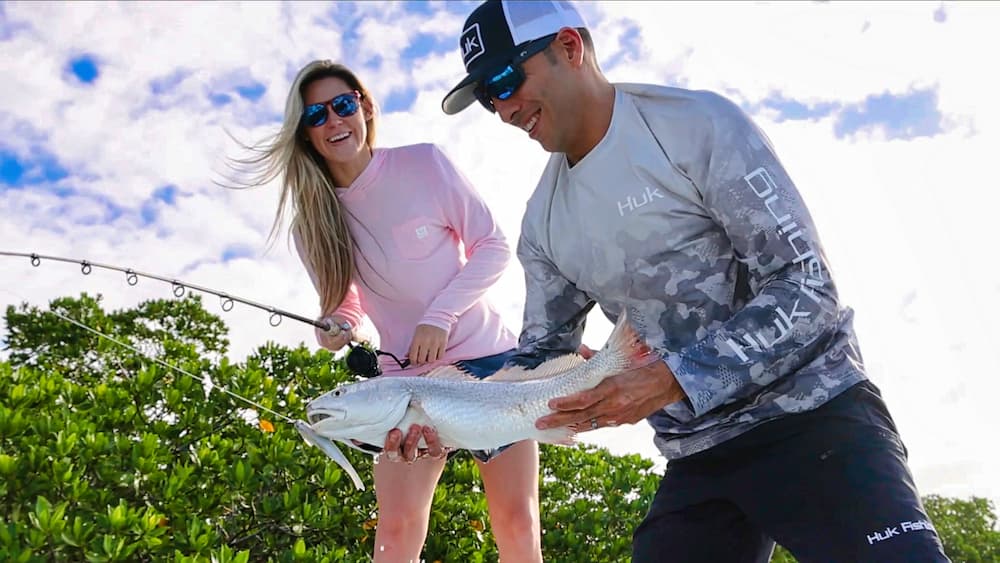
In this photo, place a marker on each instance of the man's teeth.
(336, 138)
(531, 123)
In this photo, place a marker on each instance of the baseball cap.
(497, 31)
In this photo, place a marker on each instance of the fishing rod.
(361, 360)
(179, 287)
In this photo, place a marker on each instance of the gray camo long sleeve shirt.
(683, 215)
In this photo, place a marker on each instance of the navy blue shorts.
(829, 485)
(482, 368)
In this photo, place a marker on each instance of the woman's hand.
(398, 448)
(428, 344)
(336, 337)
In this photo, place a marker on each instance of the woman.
(379, 231)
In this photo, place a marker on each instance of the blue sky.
(112, 145)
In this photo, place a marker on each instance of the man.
(671, 205)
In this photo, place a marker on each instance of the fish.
(467, 412)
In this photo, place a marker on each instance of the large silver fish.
(467, 412)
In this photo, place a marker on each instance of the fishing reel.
(362, 359)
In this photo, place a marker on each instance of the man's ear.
(569, 44)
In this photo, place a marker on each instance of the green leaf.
(241, 472)
(117, 516)
(7, 465)
(17, 394)
(300, 549)
(69, 540)
(40, 516)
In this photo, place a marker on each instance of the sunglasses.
(502, 84)
(344, 105)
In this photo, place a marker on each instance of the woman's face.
(340, 140)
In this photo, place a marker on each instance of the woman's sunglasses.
(502, 84)
(344, 105)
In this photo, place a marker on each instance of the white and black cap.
(497, 31)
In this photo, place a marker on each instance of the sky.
(116, 121)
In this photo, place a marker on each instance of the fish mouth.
(319, 415)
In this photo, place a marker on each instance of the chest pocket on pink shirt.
(416, 238)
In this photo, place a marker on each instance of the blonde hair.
(319, 219)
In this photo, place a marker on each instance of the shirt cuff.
(698, 399)
(444, 322)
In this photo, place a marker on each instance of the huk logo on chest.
(631, 203)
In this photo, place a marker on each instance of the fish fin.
(625, 340)
(415, 414)
(330, 449)
(544, 370)
(563, 436)
(450, 372)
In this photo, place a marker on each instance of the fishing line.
(203, 380)
(307, 433)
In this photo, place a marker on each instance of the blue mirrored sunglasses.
(344, 105)
(502, 84)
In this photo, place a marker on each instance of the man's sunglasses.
(503, 83)
(344, 105)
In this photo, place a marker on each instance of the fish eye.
(336, 393)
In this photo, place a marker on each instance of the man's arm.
(794, 311)
(555, 311)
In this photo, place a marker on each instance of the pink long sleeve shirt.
(410, 213)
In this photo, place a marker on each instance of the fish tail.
(625, 341)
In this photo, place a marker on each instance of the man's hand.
(398, 449)
(335, 338)
(428, 344)
(625, 398)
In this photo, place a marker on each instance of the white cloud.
(907, 224)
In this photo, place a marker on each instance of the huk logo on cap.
(472, 44)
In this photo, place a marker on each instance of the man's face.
(539, 105)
